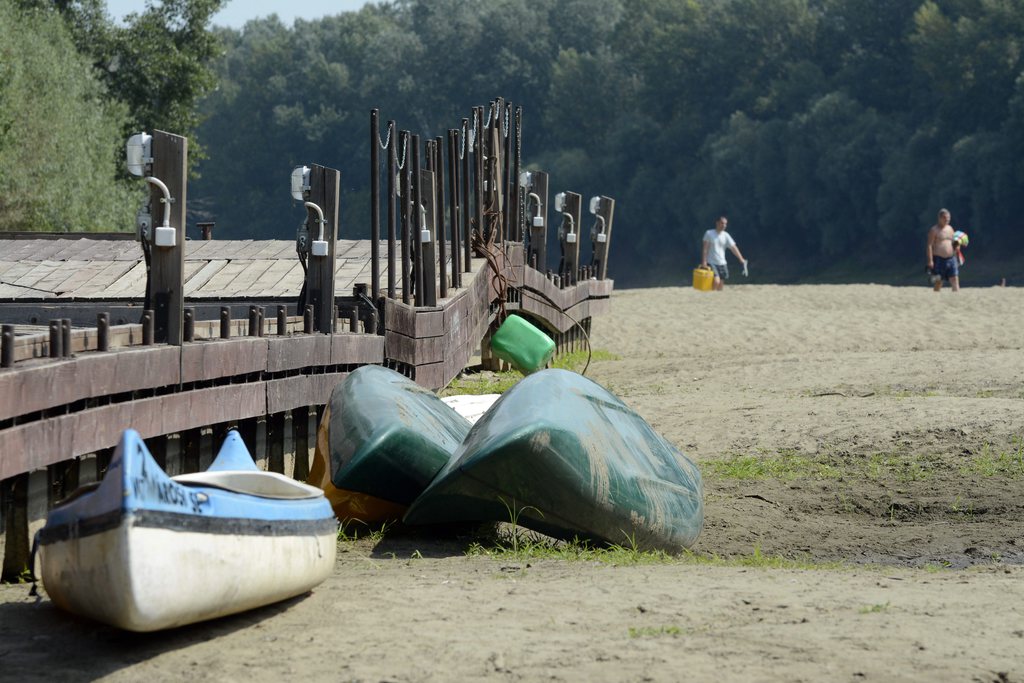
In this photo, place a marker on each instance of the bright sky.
(237, 12)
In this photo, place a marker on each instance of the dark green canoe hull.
(387, 436)
(561, 455)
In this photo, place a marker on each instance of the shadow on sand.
(40, 642)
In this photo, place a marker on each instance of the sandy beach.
(863, 455)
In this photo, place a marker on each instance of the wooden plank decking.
(91, 270)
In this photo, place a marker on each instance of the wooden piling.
(7, 346)
(56, 340)
(478, 176)
(440, 241)
(453, 209)
(406, 200)
(282, 320)
(570, 250)
(300, 437)
(428, 261)
(275, 442)
(375, 203)
(65, 337)
(417, 221)
(392, 189)
(167, 264)
(601, 249)
(191, 448)
(225, 322)
(538, 243)
(325, 186)
(467, 255)
(14, 498)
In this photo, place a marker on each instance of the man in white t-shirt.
(715, 243)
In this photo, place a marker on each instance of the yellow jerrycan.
(703, 278)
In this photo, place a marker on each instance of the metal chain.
(504, 125)
(384, 145)
(462, 140)
(403, 138)
(519, 134)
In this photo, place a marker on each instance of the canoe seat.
(263, 484)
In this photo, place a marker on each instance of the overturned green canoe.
(383, 439)
(564, 456)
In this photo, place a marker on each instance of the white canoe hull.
(146, 578)
(142, 551)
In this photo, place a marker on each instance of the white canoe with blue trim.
(143, 551)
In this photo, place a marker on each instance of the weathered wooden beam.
(440, 262)
(464, 176)
(537, 256)
(300, 437)
(290, 393)
(569, 236)
(417, 222)
(40, 386)
(324, 191)
(413, 322)
(605, 216)
(166, 291)
(215, 359)
(392, 199)
(375, 203)
(479, 174)
(428, 257)
(406, 208)
(43, 442)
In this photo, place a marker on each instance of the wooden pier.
(182, 343)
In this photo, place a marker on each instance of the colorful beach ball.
(960, 237)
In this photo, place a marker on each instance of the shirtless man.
(942, 261)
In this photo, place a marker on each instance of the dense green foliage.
(73, 86)
(830, 131)
(58, 135)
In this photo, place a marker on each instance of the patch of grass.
(486, 382)
(654, 631)
(512, 541)
(491, 382)
(758, 560)
(533, 547)
(875, 609)
(934, 567)
(577, 360)
(517, 544)
(990, 463)
(352, 530)
(538, 547)
(783, 464)
(959, 507)
(898, 466)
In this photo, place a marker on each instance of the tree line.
(829, 131)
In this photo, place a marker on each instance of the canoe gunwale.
(175, 521)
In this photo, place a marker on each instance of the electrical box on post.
(165, 237)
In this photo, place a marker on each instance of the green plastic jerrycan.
(522, 345)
